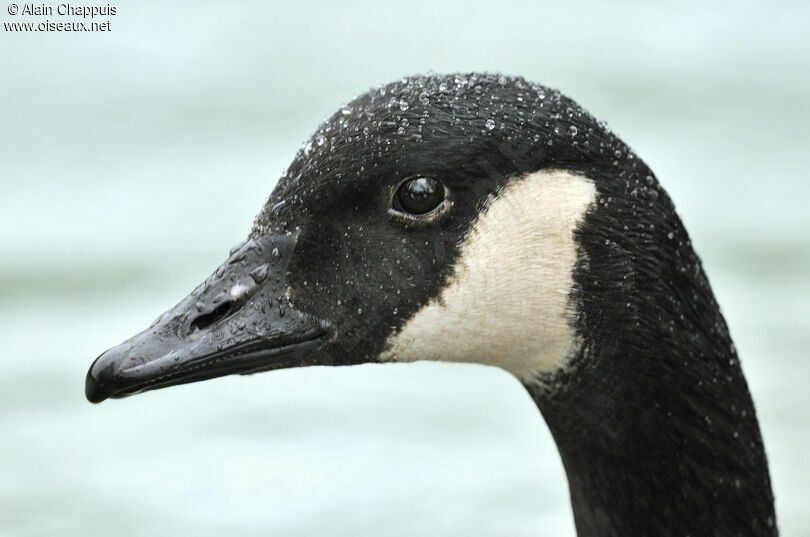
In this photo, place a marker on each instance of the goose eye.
(419, 196)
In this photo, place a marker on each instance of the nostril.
(207, 319)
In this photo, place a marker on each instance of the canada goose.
(483, 218)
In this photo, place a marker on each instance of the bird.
(483, 218)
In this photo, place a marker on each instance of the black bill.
(238, 321)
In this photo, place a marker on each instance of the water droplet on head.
(236, 247)
(259, 273)
(238, 290)
(490, 124)
(277, 207)
(403, 105)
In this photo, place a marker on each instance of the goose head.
(485, 219)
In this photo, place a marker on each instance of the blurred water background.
(131, 161)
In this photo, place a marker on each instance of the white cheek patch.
(507, 302)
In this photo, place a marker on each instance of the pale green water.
(130, 162)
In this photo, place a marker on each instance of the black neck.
(664, 456)
(653, 419)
